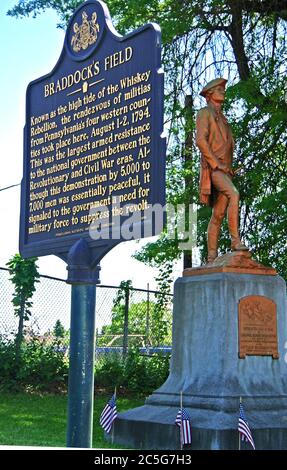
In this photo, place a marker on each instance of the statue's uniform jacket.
(216, 144)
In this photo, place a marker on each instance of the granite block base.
(206, 368)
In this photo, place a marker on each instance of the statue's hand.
(225, 169)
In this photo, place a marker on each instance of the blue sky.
(29, 49)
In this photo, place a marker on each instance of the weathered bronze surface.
(257, 327)
(215, 142)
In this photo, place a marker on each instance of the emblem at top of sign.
(86, 28)
(86, 33)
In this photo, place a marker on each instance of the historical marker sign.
(94, 151)
(257, 327)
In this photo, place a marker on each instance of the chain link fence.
(138, 317)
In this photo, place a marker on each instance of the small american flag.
(109, 414)
(243, 427)
(183, 421)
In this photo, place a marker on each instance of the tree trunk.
(187, 255)
(237, 42)
(126, 322)
(19, 337)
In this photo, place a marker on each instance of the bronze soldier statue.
(216, 144)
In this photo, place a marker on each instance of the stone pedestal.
(206, 367)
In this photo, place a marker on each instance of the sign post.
(82, 349)
(94, 159)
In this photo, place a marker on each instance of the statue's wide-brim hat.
(212, 84)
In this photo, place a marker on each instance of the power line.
(8, 187)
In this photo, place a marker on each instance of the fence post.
(126, 322)
(96, 344)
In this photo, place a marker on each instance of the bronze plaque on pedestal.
(257, 323)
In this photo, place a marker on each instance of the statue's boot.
(212, 254)
(237, 245)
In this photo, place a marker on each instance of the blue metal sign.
(94, 154)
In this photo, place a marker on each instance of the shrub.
(7, 363)
(109, 371)
(42, 366)
(138, 374)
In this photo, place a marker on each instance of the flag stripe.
(243, 427)
(244, 430)
(183, 421)
(109, 414)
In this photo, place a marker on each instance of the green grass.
(33, 420)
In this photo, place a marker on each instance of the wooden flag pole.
(113, 422)
(181, 431)
(239, 436)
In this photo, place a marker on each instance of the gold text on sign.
(90, 71)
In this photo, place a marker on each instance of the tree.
(245, 41)
(149, 321)
(157, 332)
(24, 275)
(59, 330)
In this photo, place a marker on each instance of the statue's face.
(217, 93)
